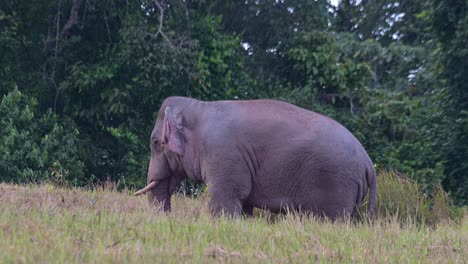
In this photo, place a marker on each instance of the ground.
(45, 224)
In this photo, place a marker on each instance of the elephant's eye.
(157, 145)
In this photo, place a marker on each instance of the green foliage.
(404, 132)
(36, 147)
(132, 153)
(451, 29)
(388, 21)
(219, 68)
(9, 44)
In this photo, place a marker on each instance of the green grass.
(44, 224)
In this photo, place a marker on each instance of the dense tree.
(451, 29)
(37, 146)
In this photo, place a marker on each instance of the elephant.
(262, 153)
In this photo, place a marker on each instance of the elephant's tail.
(372, 184)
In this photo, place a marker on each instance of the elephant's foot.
(247, 210)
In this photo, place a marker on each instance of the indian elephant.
(260, 153)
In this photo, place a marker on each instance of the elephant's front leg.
(229, 183)
(222, 204)
(227, 196)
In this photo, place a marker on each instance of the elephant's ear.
(172, 131)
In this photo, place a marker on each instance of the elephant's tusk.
(147, 188)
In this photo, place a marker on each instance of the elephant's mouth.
(148, 188)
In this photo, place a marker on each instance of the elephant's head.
(165, 168)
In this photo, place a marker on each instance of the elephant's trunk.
(160, 196)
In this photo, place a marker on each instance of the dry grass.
(43, 224)
(402, 198)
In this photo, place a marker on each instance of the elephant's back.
(274, 124)
(277, 120)
(265, 111)
(281, 128)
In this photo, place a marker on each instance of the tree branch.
(73, 19)
(160, 5)
(57, 38)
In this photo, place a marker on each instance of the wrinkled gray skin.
(262, 153)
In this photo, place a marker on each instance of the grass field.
(44, 224)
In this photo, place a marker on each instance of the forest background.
(81, 81)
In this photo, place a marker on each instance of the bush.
(402, 199)
(37, 148)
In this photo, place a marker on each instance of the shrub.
(402, 199)
(36, 148)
